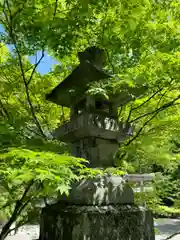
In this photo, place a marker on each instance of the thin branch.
(32, 130)
(6, 17)
(35, 66)
(17, 210)
(22, 69)
(23, 206)
(29, 99)
(164, 93)
(119, 114)
(4, 109)
(171, 236)
(55, 9)
(9, 9)
(13, 39)
(27, 190)
(27, 70)
(108, 57)
(62, 117)
(20, 224)
(155, 114)
(129, 115)
(162, 108)
(155, 93)
(140, 130)
(123, 155)
(142, 104)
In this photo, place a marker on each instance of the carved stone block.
(62, 222)
(101, 190)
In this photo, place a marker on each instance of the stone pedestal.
(101, 208)
(100, 190)
(63, 222)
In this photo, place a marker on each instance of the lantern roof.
(73, 88)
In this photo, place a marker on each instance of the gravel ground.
(165, 228)
(27, 232)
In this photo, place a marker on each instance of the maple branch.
(165, 93)
(110, 62)
(35, 66)
(26, 82)
(171, 236)
(121, 109)
(142, 104)
(32, 110)
(129, 115)
(140, 130)
(55, 9)
(17, 210)
(162, 108)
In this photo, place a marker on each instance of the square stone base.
(62, 222)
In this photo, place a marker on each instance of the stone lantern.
(100, 208)
(94, 129)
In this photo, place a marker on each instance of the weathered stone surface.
(101, 190)
(89, 124)
(99, 152)
(93, 137)
(94, 55)
(62, 222)
(75, 85)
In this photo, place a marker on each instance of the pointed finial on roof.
(93, 55)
